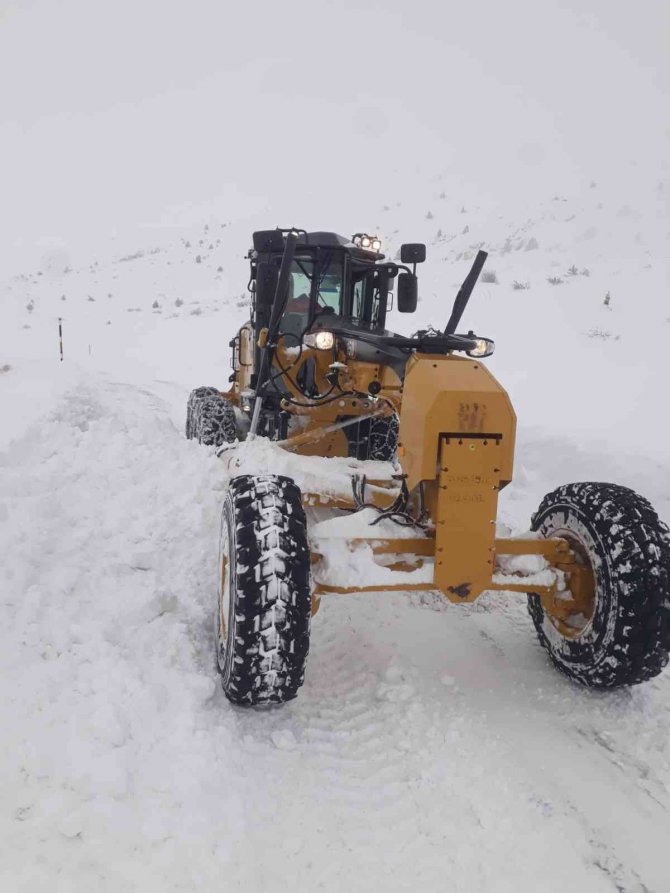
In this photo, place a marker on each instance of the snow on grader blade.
(361, 460)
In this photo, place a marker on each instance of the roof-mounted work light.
(370, 243)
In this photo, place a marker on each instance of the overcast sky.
(122, 114)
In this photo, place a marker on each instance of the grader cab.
(317, 372)
(301, 282)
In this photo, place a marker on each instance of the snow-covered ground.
(433, 747)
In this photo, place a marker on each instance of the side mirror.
(267, 275)
(413, 253)
(408, 293)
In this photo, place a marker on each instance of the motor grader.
(316, 372)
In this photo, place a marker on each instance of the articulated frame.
(412, 552)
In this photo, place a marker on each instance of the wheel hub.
(572, 610)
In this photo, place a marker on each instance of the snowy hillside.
(432, 746)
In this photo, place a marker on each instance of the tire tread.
(273, 607)
(637, 548)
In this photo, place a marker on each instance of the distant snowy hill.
(574, 292)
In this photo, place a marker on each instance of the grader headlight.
(320, 340)
(484, 347)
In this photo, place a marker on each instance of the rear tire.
(374, 439)
(210, 418)
(264, 603)
(384, 438)
(626, 639)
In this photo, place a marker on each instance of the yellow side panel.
(447, 395)
(465, 522)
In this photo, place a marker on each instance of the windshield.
(329, 292)
(308, 278)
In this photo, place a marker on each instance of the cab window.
(329, 290)
(296, 313)
(329, 274)
(361, 289)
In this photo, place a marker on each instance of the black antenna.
(464, 293)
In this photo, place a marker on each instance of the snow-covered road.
(432, 747)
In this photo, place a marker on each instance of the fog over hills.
(125, 118)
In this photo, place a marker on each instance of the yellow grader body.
(307, 368)
(313, 422)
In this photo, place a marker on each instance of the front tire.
(622, 637)
(264, 603)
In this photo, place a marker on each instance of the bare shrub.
(135, 256)
(555, 280)
(520, 286)
(490, 276)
